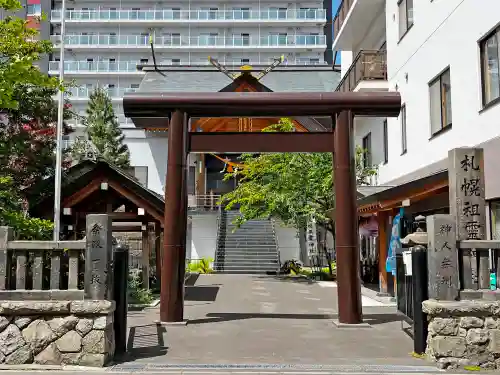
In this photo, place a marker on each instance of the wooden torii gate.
(176, 108)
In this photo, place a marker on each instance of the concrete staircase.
(250, 249)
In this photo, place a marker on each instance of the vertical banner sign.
(394, 243)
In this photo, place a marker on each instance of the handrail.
(277, 243)
(352, 68)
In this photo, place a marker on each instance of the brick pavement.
(252, 319)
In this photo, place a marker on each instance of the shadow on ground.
(145, 341)
(372, 319)
(205, 293)
(289, 278)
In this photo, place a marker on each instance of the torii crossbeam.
(178, 107)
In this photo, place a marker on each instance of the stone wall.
(463, 333)
(56, 332)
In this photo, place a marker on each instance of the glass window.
(490, 66)
(367, 149)
(495, 220)
(402, 119)
(440, 102)
(34, 10)
(405, 9)
(386, 142)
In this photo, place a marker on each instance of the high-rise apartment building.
(105, 41)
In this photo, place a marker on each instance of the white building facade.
(442, 56)
(106, 41)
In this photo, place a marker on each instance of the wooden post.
(158, 251)
(346, 225)
(382, 250)
(174, 243)
(6, 235)
(145, 254)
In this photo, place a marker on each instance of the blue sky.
(336, 4)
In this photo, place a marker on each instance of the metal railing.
(85, 92)
(96, 66)
(152, 15)
(131, 66)
(368, 65)
(208, 202)
(476, 260)
(174, 41)
(341, 15)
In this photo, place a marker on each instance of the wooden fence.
(476, 259)
(56, 270)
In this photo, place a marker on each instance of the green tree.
(13, 214)
(104, 130)
(20, 48)
(293, 187)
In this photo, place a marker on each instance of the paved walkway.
(252, 319)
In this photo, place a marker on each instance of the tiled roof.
(282, 79)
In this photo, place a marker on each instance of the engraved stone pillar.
(99, 258)
(467, 199)
(468, 207)
(442, 258)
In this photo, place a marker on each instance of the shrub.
(202, 265)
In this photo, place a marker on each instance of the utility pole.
(59, 131)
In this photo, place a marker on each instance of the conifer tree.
(104, 130)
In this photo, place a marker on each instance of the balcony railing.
(96, 66)
(198, 41)
(191, 15)
(368, 65)
(341, 15)
(131, 66)
(84, 92)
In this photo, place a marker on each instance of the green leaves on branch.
(292, 187)
(20, 49)
(12, 214)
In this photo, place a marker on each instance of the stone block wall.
(463, 333)
(56, 332)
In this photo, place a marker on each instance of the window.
(490, 64)
(440, 102)
(34, 10)
(405, 16)
(244, 61)
(176, 61)
(386, 142)
(367, 151)
(402, 118)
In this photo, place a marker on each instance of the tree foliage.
(27, 135)
(13, 214)
(104, 131)
(293, 187)
(20, 48)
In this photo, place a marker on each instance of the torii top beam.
(259, 104)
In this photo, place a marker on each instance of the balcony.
(196, 17)
(83, 93)
(198, 43)
(368, 72)
(127, 67)
(356, 21)
(95, 67)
